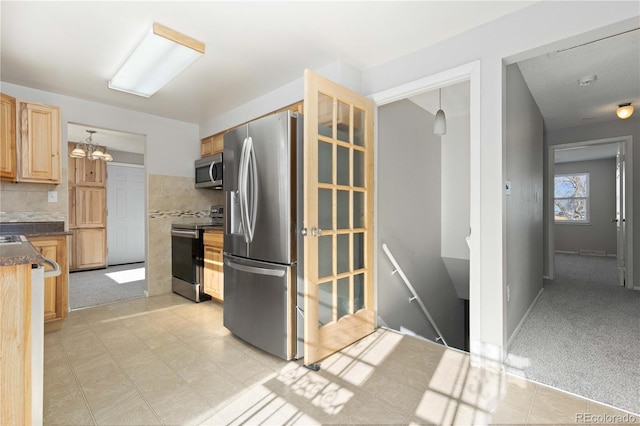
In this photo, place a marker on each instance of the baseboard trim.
(524, 318)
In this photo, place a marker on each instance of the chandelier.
(90, 150)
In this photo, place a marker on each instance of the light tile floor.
(167, 360)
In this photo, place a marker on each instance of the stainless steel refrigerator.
(260, 242)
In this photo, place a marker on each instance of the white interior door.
(125, 218)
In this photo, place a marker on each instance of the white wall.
(455, 193)
(524, 142)
(171, 146)
(600, 233)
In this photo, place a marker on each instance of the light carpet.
(583, 334)
(97, 287)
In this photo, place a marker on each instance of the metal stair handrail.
(415, 297)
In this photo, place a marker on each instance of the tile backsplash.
(171, 199)
(28, 202)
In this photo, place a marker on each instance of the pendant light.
(90, 150)
(440, 123)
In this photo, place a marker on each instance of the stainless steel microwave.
(209, 172)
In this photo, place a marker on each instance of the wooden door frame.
(466, 72)
(627, 141)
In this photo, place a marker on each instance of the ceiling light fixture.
(90, 150)
(162, 55)
(624, 111)
(440, 123)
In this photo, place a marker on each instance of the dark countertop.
(25, 253)
(19, 254)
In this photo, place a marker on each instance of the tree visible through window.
(571, 198)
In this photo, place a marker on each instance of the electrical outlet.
(508, 292)
(52, 196)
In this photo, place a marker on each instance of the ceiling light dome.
(624, 111)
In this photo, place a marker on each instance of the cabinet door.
(55, 288)
(90, 172)
(90, 248)
(213, 268)
(206, 146)
(90, 207)
(212, 145)
(218, 143)
(213, 272)
(39, 143)
(7, 137)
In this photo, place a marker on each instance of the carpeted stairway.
(583, 334)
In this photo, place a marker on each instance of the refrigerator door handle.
(255, 270)
(242, 190)
(252, 218)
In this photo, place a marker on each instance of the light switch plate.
(52, 196)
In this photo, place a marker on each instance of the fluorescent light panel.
(161, 56)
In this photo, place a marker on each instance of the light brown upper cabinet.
(8, 137)
(212, 145)
(39, 145)
(90, 173)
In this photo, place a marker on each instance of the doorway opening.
(452, 281)
(608, 211)
(107, 206)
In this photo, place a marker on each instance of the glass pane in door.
(344, 298)
(325, 256)
(358, 292)
(358, 127)
(343, 166)
(325, 209)
(343, 209)
(325, 303)
(343, 253)
(325, 162)
(343, 122)
(325, 115)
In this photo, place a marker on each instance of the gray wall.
(408, 191)
(524, 227)
(600, 234)
(610, 129)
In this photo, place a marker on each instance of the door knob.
(316, 232)
(614, 220)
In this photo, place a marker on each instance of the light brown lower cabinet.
(15, 345)
(55, 288)
(213, 267)
(89, 248)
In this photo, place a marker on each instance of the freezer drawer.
(259, 304)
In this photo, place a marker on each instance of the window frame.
(587, 199)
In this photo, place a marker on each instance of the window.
(571, 198)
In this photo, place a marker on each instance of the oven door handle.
(188, 234)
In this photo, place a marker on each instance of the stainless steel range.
(187, 255)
